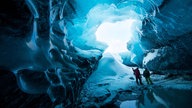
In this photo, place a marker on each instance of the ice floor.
(113, 83)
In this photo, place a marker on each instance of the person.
(146, 74)
(137, 76)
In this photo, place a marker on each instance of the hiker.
(137, 76)
(146, 74)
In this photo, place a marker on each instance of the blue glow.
(115, 35)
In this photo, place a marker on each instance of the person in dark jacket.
(146, 74)
(137, 76)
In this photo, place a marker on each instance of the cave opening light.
(115, 35)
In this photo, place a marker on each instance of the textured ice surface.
(53, 48)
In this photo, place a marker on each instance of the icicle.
(32, 43)
(32, 8)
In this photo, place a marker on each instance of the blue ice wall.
(169, 32)
(55, 41)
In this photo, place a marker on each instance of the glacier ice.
(63, 46)
(61, 50)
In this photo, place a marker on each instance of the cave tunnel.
(82, 53)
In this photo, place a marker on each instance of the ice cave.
(95, 54)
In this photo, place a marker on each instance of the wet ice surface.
(160, 98)
(129, 103)
(159, 95)
(113, 85)
(154, 96)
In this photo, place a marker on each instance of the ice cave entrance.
(115, 35)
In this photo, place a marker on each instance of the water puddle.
(130, 104)
(161, 98)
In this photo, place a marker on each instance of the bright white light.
(115, 35)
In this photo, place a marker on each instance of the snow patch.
(150, 56)
(88, 53)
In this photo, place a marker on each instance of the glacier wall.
(42, 58)
(169, 32)
(51, 48)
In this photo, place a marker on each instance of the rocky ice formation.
(51, 48)
(49, 63)
(171, 37)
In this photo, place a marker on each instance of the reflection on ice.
(160, 98)
(149, 99)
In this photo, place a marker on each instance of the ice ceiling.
(114, 38)
(53, 46)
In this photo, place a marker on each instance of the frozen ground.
(113, 84)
